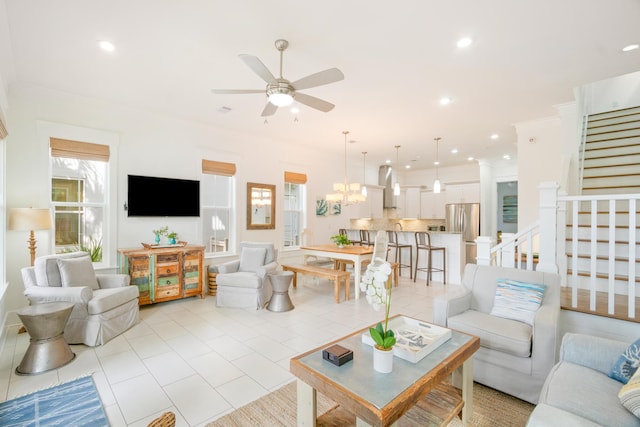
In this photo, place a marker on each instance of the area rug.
(75, 403)
(491, 409)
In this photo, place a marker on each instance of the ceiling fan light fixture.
(281, 99)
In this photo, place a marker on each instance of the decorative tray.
(414, 338)
(158, 246)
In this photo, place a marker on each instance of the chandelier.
(343, 192)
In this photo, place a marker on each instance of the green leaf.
(389, 342)
(377, 337)
(380, 329)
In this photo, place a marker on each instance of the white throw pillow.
(77, 272)
(517, 300)
(251, 259)
(630, 394)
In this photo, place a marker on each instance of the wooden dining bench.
(337, 276)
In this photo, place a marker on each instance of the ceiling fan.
(280, 91)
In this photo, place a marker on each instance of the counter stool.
(393, 243)
(365, 238)
(423, 242)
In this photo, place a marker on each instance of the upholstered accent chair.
(515, 356)
(244, 283)
(104, 304)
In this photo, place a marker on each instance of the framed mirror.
(261, 206)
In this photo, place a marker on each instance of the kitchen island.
(455, 253)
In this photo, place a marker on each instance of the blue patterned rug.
(75, 403)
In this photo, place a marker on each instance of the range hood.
(385, 179)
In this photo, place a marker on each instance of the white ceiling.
(398, 59)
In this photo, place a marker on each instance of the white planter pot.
(382, 360)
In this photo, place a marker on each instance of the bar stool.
(423, 242)
(393, 243)
(365, 238)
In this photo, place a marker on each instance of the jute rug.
(491, 408)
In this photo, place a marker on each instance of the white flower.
(374, 283)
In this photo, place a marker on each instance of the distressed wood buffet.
(164, 274)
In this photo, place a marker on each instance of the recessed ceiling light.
(454, 151)
(436, 163)
(407, 166)
(464, 42)
(445, 100)
(630, 47)
(295, 110)
(108, 46)
(387, 161)
(495, 136)
(470, 158)
(506, 157)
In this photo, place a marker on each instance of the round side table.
(280, 300)
(47, 348)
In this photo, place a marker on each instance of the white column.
(548, 226)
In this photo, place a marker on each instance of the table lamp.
(23, 219)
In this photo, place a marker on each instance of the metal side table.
(47, 348)
(280, 300)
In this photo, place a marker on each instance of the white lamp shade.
(280, 99)
(364, 191)
(436, 186)
(26, 219)
(396, 189)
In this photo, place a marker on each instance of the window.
(3, 210)
(79, 173)
(294, 203)
(218, 215)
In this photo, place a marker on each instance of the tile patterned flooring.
(201, 361)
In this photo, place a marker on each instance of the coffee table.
(381, 399)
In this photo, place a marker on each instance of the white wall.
(610, 94)
(448, 175)
(151, 144)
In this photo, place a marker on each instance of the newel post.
(484, 250)
(548, 227)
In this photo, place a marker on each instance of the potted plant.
(160, 232)
(376, 284)
(172, 237)
(341, 240)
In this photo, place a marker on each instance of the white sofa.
(104, 304)
(579, 391)
(514, 357)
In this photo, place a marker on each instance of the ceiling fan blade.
(318, 79)
(258, 67)
(269, 110)
(314, 102)
(236, 91)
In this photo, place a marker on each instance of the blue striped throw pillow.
(517, 300)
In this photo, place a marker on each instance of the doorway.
(507, 215)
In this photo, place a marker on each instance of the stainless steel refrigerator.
(465, 218)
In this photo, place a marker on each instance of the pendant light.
(345, 193)
(396, 186)
(436, 183)
(364, 173)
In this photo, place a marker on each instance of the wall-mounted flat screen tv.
(155, 196)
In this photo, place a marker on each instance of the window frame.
(290, 179)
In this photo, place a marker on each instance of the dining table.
(353, 253)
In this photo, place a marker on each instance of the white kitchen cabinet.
(411, 203)
(462, 193)
(372, 207)
(431, 205)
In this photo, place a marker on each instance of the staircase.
(610, 153)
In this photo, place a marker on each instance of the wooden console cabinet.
(164, 274)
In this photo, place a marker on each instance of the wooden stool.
(423, 242)
(393, 243)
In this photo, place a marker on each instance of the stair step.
(602, 226)
(622, 181)
(630, 131)
(617, 277)
(613, 129)
(613, 151)
(613, 190)
(621, 304)
(612, 142)
(600, 123)
(600, 257)
(617, 242)
(611, 170)
(623, 112)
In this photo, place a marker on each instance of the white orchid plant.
(377, 287)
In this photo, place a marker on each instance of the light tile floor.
(201, 361)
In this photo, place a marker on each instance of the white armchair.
(244, 283)
(514, 356)
(104, 304)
